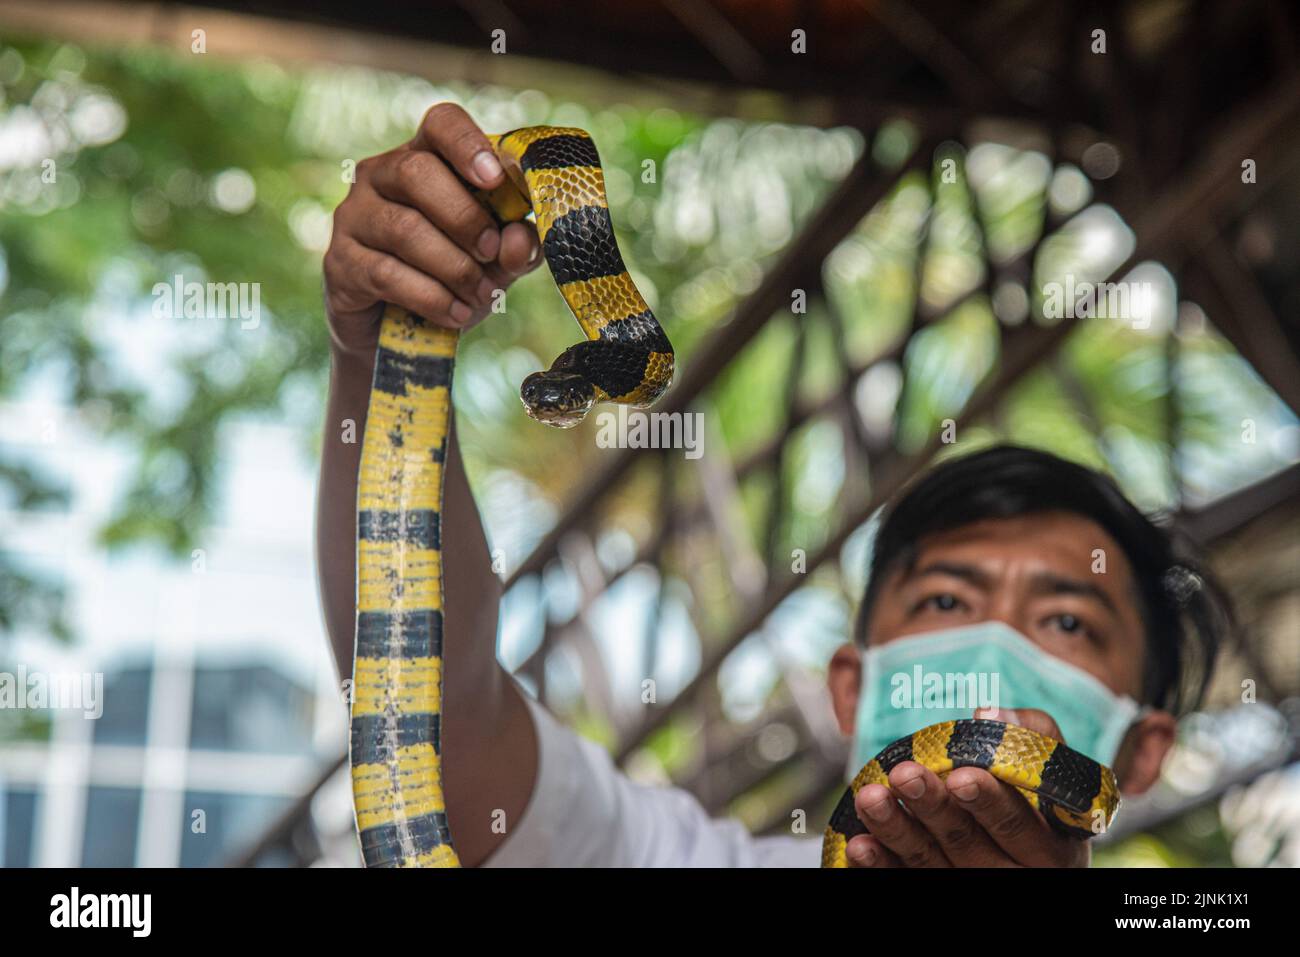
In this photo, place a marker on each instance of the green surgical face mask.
(920, 680)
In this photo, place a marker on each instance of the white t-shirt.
(585, 813)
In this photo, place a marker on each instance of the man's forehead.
(1056, 538)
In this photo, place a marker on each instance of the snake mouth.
(559, 399)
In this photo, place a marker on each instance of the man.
(1021, 564)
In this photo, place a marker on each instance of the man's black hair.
(1185, 612)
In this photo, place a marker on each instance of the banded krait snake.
(554, 174)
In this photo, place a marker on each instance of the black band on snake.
(554, 174)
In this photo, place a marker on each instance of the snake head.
(560, 399)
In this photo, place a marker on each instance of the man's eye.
(943, 602)
(1069, 623)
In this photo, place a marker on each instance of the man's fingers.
(962, 841)
(865, 851)
(411, 232)
(421, 180)
(448, 131)
(519, 236)
(520, 250)
(1038, 721)
(404, 232)
(389, 279)
(1010, 821)
(893, 827)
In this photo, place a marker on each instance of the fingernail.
(967, 792)
(878, 810)
(1005, 715)
(532, 256)
(461, 312)
(912, 788)
(488, 244)
(865, 858)
(486, 167)
(485, 290)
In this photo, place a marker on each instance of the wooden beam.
(717, 35)
(1238, 308)
(1226, 515)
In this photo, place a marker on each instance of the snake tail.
(395, 739)
(1076, 795)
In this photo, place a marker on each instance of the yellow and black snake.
(1074, 793)
(554, 174)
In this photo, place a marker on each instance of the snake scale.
(554, 174)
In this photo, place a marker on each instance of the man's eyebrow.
(1043, 582)
(1048, 583)
(969, 573)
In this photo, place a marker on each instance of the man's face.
(1042, 575)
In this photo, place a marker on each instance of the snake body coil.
(1074, 793)
(553, 173)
